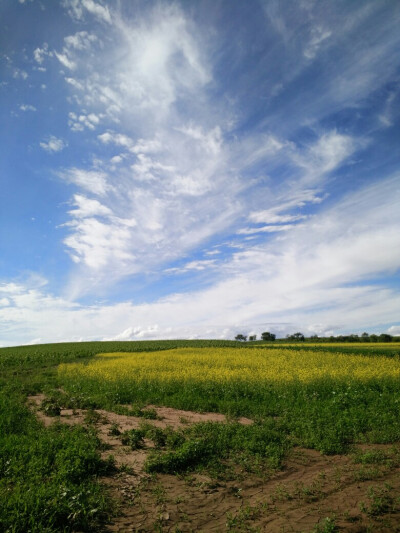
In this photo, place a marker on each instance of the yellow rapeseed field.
(229, 365)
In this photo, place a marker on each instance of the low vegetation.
(328, 398)
(317, 399)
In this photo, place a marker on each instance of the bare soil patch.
(313, 493)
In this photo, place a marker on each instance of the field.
(200, 436)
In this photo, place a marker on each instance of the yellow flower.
(256, 366)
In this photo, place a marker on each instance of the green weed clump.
(51, 407)
(328, 525)
(208, 443)
(380, 501)
(47, 475)
(137, 411)
(133, 438)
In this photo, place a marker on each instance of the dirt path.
(313, 493)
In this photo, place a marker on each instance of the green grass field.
(49, 476)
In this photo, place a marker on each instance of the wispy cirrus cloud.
(171, 156)
(328, 259)
(229, 164)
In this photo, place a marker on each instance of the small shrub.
(188, 455)
(50, 407)
(133, 438)
(158, 436)
(114, 430)
(149, 414)
(92, 417)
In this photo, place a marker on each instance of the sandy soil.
(311, 487)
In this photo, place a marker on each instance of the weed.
(281, 494)
(92, 417)
(47, 475)
(133, 438)
(380, 501)
(159, 494)
(114, 430)
(149, 414)
(158, 436)
(207, 444)
(50, 407)
(126, 469)
(327, 526)
(237, 521)
(309, 493)
(372, 457)
(366, 473)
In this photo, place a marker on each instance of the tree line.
(299, 337)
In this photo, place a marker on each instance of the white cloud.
(40, 54)
(331, 258)
(74, 46)
(75, 83)
(117, 159)
(265, 229)
(99, 244)
(80, 122)
(349, 69)
(65, 61)
(20, 74)
(136, 333)
(327, 154)
(162, 60)
(53, 144)
(387, 116)
(312, 266)
(86, 207)
(27, 107)
(82, 40)
(269, 216)
(119, 139)
(145, 146)
(185, 161)
(211, 140)
(191, 266)
(394, 330)
(78, 8)
(318, 36)
(10, 288)
(175, 161)
(90, 180)
(97, 10)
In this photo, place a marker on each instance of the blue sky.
(198, 169)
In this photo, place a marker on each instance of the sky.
(198, 169)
